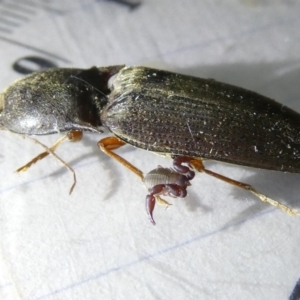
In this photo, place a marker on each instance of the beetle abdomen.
(181, 115)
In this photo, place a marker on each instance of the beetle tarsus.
(290, 211)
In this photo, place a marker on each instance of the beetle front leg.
(71, 136)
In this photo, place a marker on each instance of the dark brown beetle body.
(183, 117)
(178, 115)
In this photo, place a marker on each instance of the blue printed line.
(151, 256)
(236, 35)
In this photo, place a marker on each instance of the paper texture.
(219, 242)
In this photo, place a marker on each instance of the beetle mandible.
(182, 117)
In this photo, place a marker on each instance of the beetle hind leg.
(285, 208)
(197, 164)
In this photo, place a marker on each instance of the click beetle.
(186, 118)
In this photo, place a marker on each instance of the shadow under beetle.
(185, 118)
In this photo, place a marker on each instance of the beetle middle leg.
(160, 181)
(112, 143)
(197, 164)
(72, 136)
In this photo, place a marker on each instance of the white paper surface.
(219, 242)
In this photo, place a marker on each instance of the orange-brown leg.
(72, 136)
(107, 145)
(112, 143)
(197, 164)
